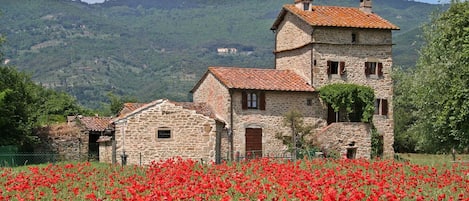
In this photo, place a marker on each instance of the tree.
(53, 106)
(15, 111)
(25, 105)
(405, 141)
(439, 88)
(299, 140)
(116, 103)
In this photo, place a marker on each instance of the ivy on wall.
(356, 100)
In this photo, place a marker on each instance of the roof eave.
(395, 28)
(279, 19)
(199, 82)
(282, 90)
(124, 118)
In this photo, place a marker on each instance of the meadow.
(262, 179)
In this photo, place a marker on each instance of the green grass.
(433, 159)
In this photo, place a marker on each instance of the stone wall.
(292, 34)
(339, 137)
(68, 141)
(215, 94)
(193, 135)
(105, 152)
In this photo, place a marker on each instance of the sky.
(426, 1)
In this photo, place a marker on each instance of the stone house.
(165, 129)
(240, 110)
(253, 101)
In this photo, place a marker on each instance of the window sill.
(336, 77)
(164, 139)
(381, 116)
(374, 77)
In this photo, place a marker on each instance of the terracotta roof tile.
(334, 16)
(129, 107)
(199, 108)
(95, 123)
(260, 79)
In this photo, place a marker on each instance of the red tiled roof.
(95, 123)
(199, 108)
(260, 79)
(129, 107)
(334, 16)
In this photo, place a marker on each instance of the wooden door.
(253, 142)
(331, 115)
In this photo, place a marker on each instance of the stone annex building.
(240, 110)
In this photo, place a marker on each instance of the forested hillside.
(151, 49)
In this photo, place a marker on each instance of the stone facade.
(227, 99)
(161, 130)
(211, 91)
(307, 49)
(271, 119)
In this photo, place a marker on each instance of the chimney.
(306, 5)
(365, 6)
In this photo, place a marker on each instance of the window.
(253, 100)
(164, 134)
(381, 107)
(305, 6)
(373, 68)
(354, 37)
(309, 102)
(335, 68)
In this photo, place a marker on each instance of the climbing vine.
(357, 100)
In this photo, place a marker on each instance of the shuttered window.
(373, 68)
(253, 100)
(335, 67)
(381, 107)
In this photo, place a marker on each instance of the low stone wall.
(65, 140)
(347, 136)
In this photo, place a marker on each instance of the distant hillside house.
(238, 111)
(226, 51)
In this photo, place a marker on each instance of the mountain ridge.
(158, 49)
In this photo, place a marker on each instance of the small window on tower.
(335, 68)
(305, 6)
(354, 38)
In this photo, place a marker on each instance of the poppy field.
(263, 179)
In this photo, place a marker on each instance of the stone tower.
(305, 5)
(324, 45)
(365, 6)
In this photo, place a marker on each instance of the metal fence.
(19, 159)
(301, 154)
